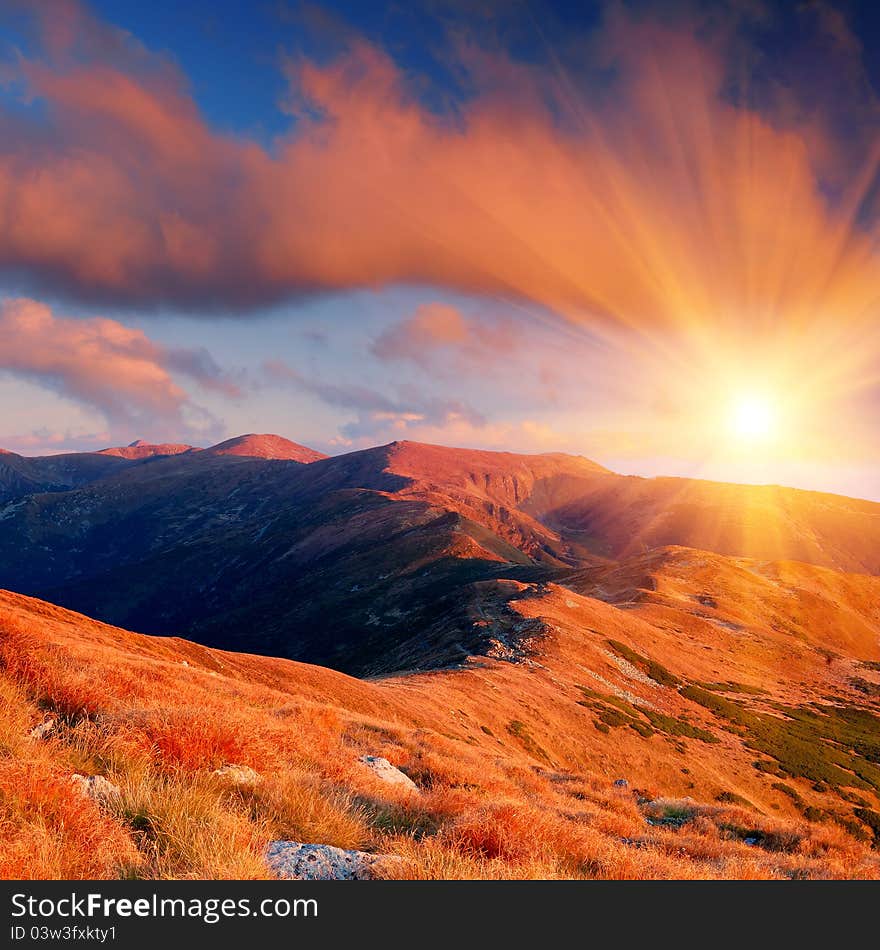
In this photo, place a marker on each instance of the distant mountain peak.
(427, 459)
(266, 446)
(140, 449)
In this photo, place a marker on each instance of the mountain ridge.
(139, 449)
(266, 446)
(344, 560)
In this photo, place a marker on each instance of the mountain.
(678, 714)
(584, 674)
(21, 476)
(142, 450)
(372, 561)
(620, 516)
(266, 447)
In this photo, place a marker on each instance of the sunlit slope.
(348, 561)
(583, 507)
(706, 684)
(627, 515)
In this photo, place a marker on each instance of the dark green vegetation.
(865, 686)
(612, 713)
(651, 668)
(519, 730)
(836, 745)
(871, 819)
(833, 745)
(769, 841)
(731, 686)
(792, 793)
(731, 798)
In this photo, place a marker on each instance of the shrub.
(518, 729)
(731, 798)
(871, 819)
(656, 671)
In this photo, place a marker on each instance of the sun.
(753, 417)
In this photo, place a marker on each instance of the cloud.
(660, 201)
(109, 367)
(49, 441)
(438, 332)
(377, 414)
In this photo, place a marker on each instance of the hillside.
(348, 561)
(143, 450)
(687, 724)
(266, 447)
(21, 476)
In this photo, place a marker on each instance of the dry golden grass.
(531, 801)
(49, 830)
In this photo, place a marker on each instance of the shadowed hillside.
(351, 560)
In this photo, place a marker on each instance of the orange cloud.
(658, 206)
(440, 330)
(105, 365)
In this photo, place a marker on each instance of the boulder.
(44, 729)
(97, 788)
(239, 774)
(294, 861)
(388, 773)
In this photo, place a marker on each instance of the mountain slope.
(266, 447)
(620, 516)
(351, 560)
(142, 450)
(665, 738)
(21, 476)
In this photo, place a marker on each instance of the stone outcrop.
(294, 861)
(97, 788)
(388, 772)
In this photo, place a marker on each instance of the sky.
(644, 232)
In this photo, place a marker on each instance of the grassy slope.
(678, 670)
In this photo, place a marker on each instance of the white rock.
(97, 788)
(45, 728)
(239, 774)
(294, 861)
(388, 773)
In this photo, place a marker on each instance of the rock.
(639, 843)
(239, 774)
(388, 773)
(97, 788)
(294, 861)
(45, 728)
(621, 783)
